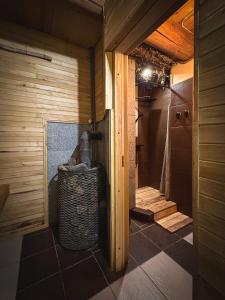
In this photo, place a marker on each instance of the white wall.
(181, 72)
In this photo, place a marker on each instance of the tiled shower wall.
(181, 146)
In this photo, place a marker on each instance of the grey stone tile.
(189, 238)
(136, 285)
(103, 295)
(171, 278)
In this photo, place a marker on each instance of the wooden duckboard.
(165, 212)
(174, 221)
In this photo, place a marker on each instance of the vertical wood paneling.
(211, 144)
(33, 91)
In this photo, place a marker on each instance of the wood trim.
(45, 162)
(195, 152)
(108, 80)
(119, 165)
(112, 220)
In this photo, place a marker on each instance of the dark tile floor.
(48, 271)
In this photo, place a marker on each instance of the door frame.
(117, 99)
(119, 208)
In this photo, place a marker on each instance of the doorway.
(125, 91)
(163, 125)
(160, 156)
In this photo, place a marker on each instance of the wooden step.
(151, 205)
(142, 214)
(162, 208)
(175, 221)
(148, 200)
(147, 194)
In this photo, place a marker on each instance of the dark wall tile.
(182, 92)
(183, 120)
(181, 191)
(152, 134)
(181, 138)
(181, 161)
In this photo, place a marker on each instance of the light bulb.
(146, 73)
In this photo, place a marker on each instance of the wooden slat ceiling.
(175, 37)
(75, 21)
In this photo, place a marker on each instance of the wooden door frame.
(119, 216)
(117, 100)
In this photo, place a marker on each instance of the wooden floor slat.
(165, 212)
(170, 218)
(147, 194)
(149, 200)
(175, 222)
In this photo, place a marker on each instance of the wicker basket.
(79, 195)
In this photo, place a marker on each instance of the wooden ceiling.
(175, 37)
(75, 21)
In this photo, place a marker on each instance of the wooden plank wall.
(211, 114)
(33, 91)
(99, 81)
